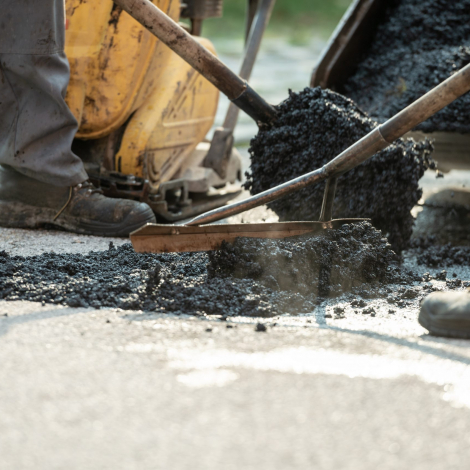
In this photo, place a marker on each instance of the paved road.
(124, 390)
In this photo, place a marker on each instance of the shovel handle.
(378, 139)
(428, 105)
(207, 64)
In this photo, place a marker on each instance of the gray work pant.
(36, 126)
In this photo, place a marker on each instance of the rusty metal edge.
(159, 238)
(346, 31)
(161, 229)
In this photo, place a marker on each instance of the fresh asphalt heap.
(327, 264)
(313, 127)
(418, 44)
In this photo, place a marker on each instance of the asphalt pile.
(250, 277)
(417, 45)
(329, 263)
(313, 127)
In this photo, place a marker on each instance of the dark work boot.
(446, 314)
(28, 203)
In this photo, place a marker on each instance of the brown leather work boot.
(446, 314)
(28, 203)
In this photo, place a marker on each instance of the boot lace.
(87, 186)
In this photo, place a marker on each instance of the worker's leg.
(36, 126)
(41, 181)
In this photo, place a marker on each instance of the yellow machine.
(143, 113)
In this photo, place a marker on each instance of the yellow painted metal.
(165, 131)
(121, 75)
(86, 30)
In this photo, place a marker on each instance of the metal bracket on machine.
(199, 10)
(220, 150)
(170, 204)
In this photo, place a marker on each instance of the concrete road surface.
(108, 389)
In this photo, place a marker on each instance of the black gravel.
(434, 255)
(417, 45)
(313, 127)
(268, 277)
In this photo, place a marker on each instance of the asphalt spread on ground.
(430, 253)
(250, 277)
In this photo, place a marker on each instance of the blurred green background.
(297, 20)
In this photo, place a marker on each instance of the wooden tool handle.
(381, 137)
(428, 105)
(202, 60)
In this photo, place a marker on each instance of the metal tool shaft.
(220, 151)
(202, 60)
(253, 44)
(381, 137)
(365, 148)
